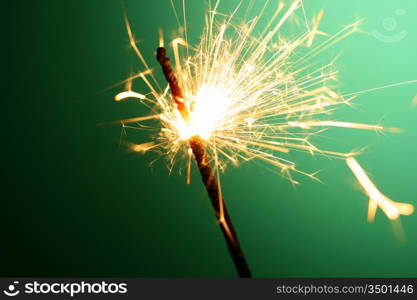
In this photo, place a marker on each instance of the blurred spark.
(391, 208)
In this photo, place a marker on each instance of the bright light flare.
(210, 112)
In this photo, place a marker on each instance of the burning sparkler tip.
(161, 38)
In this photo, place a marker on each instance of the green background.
(75, 204)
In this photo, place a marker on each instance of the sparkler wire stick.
(209, 180)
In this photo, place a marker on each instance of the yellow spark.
(128, 94)
(138, 119)
(314, 30)
(311, 124)
(391, 208)
(161, 37)
(382, 87)
(143, 147)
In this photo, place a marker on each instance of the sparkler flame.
(249, 96)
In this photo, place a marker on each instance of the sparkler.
(209, 180)
(241, 94)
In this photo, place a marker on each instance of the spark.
(382, 87)
(311, 124)
(249, 95)
(139, 119)
(391, 208)
(128, 94)
(143, 147)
